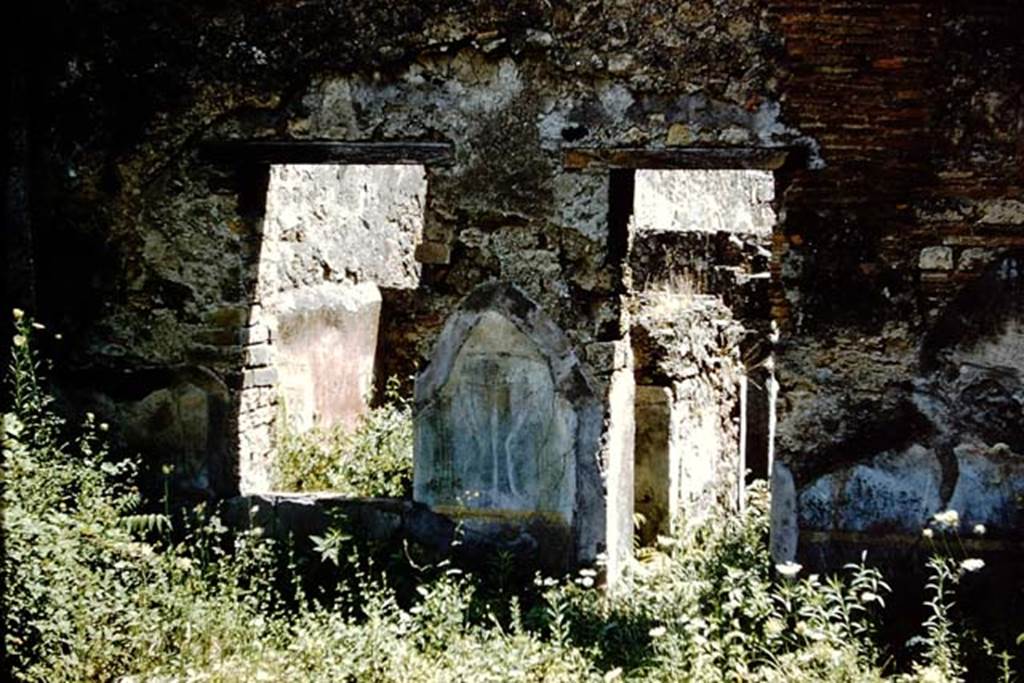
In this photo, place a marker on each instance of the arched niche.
(507, 426)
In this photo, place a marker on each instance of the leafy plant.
(373, 460)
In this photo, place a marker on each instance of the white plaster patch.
(935, 258)
(342, 222)
(615, 100)
(1004, 350)
(974, 258)
(581, 202)
(1002, 212)
(704, 201)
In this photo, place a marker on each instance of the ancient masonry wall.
(895, 263)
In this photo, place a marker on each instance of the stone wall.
(916, 208)
(688, 369)
(906, 114)
(341, 223)
(699, 262)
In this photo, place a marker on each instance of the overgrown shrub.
(93, 588)
(711, 608)
(374, 459)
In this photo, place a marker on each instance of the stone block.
(621, 63)
(433, 252)
(936, 258)
(679, 134)
(257, 334)
(258, 356)
(259, 377)
(1002, 212)
(974, 258)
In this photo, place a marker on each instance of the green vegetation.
(95, 590)
(373, 460)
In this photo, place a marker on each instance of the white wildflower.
(19, 340)
(588, 572)
(949, 519)
(788, 569)
(972, 564)
(928, 533)
(657, 632)
(979, 530)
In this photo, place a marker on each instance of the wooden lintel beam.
(765, 158)
(322, 152)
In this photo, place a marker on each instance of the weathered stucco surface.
(506, 428)
(908, 116)
(705, 201)
(700, 316)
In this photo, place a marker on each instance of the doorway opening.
(335, 236)
(698, 270)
